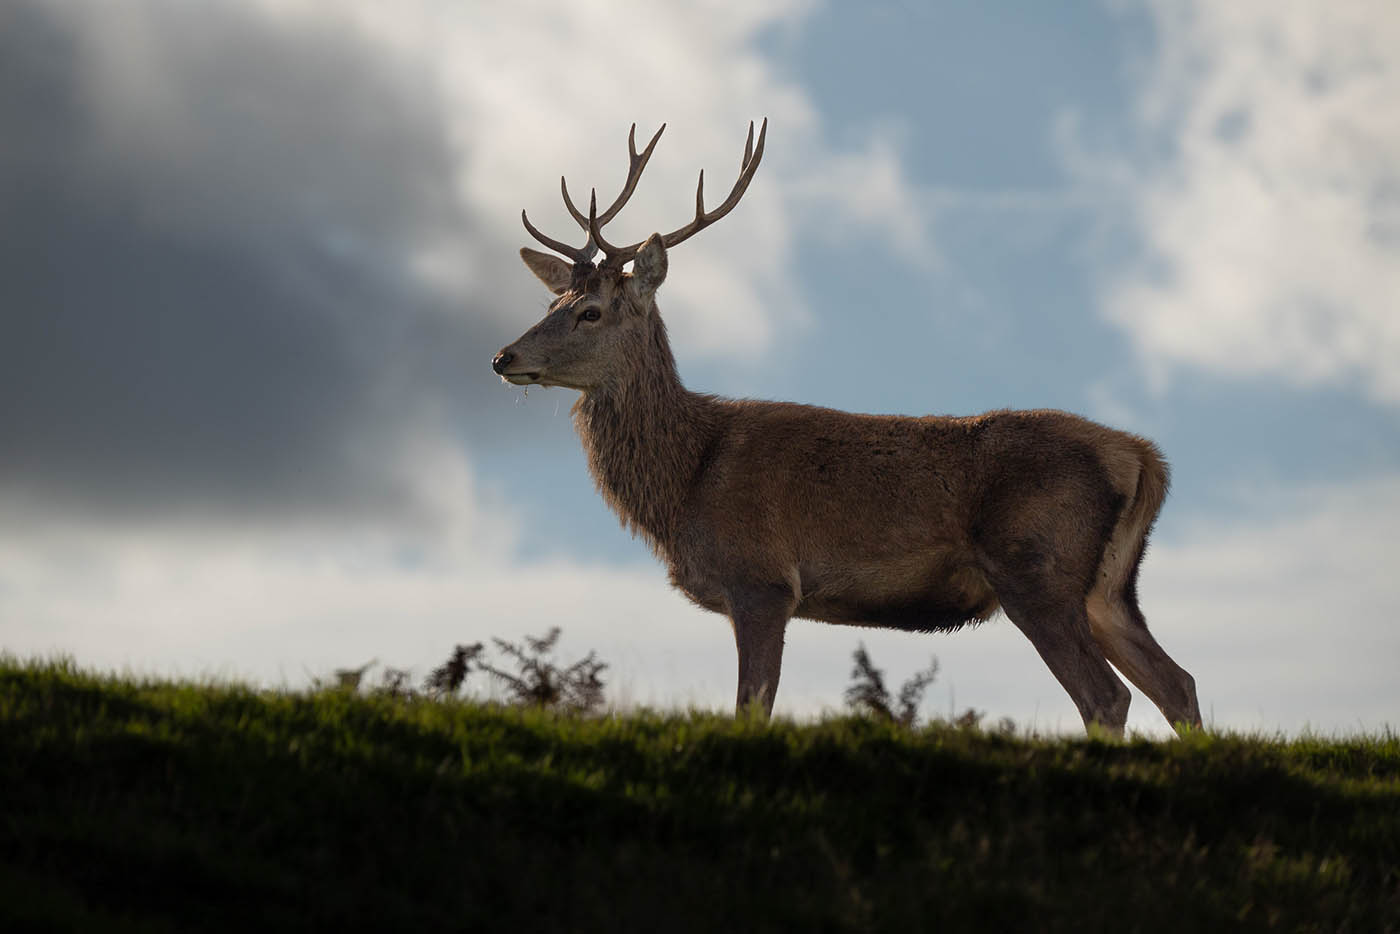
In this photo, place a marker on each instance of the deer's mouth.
(521, 379)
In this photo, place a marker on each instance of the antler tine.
(595, 231)
(636, 162)
(581, 254)
(568, 202)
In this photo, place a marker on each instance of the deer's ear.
(551, 270)
(648, 269)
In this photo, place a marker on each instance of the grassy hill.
(151, 806)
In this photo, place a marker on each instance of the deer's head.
(603, 313)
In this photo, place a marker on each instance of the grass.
(156, 806)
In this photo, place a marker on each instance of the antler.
(636, 162)
(616, 256)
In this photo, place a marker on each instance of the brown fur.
(768, 510)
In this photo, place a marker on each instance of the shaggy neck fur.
(646, 435)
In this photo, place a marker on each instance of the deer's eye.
(590, 314)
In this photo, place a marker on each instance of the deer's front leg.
(760, 618)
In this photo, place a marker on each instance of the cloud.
(1288, 621)
(203, 242)
(178, 598)
(1271, 225)
(254, 252)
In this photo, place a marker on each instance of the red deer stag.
(768, 510)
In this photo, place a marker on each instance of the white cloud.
(190, 599)
(1288, 621)
(1272, 230)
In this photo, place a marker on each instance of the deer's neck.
(645, 436)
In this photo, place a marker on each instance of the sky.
(256, 256)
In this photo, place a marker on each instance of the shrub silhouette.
(347, 679)
(539, 682)
(449, 677)
(868, 694)
(395, 683)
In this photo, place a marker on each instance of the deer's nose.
(502, 360)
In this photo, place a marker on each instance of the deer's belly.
(916, 595)
(914, 590)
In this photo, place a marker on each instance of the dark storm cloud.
(203, 296)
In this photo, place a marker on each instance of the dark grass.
(152, 806)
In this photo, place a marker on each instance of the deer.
(770, 511)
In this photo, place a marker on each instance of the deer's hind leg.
(1121, 631)
(1122, 634)
(1058, 626)
(1040, 548)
